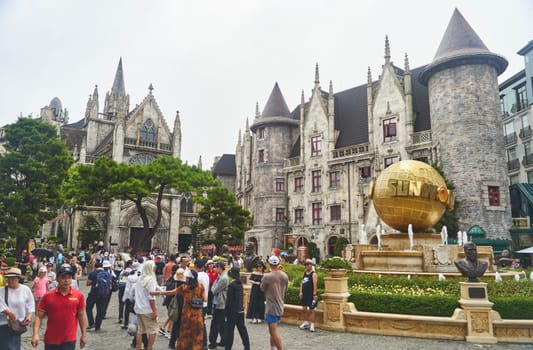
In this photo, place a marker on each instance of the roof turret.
(276, 105)
(461, 45)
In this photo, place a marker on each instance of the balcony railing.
(352, 150)
(421, 137)
(527, 160)
(146, 144)
(525, 132)
(287, 163)
(510, 138)
(513, 164)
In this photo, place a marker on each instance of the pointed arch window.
(148, 133)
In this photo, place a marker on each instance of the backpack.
(103, 283)
(173, 309)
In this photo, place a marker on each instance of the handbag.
(15, 326)
(196, 303)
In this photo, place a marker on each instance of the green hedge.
(405, 304)
(518, 307)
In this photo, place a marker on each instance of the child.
(40, 284)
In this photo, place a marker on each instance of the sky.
(214, 60)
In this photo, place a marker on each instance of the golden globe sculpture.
(410, 192)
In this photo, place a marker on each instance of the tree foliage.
(221, 210)
(31, 173)
(108, 180)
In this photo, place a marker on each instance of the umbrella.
(525, 251)
(42, 252)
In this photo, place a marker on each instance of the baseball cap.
(43, 269)
(106, 263)
(273, 260)
(65, 270)
(135, 265)
(220, 264)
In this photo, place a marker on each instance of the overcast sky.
(213, 60)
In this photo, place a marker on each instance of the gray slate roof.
(276, 105)
(225, 165)
(118, 85)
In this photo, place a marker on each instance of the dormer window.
(316, 146)
(261, 133)
(389, 130)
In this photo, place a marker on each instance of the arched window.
(148, 134)
(301, 241)
(187, 205)
(332, 241)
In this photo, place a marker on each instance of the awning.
(525, 251)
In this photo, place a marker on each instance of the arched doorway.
(301, 241)
(330, 246)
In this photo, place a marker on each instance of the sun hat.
(273, 260)
(42, 269)
(106, 263)
(308, 261)
(13, 272)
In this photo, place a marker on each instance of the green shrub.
(405, 304)
(335, 263)
(516, 307)
(10, 261)
(292, 296)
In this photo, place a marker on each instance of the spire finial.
(302, 101)
(257, 114)
(387, 49)
(317, 75)
(247, 125)
(330, 89)
(406, 64)
(95, 93)
(151, 88)
(369, 76)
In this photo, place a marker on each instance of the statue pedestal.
(335, 300)
(478, 311)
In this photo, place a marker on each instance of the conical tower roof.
(275, 112)
(118, 85)
(276, 105)
(461, 45)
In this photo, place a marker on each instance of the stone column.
(335, 300)
(478, 311)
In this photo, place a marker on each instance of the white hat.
(106, 263)
(135, 265)
(273, 260)
(43, 269)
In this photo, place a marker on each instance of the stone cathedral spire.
(117, 102)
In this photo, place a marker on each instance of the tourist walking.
(235, 312)
(256, 305)
(40, 284)
(220, 290)
(65, 309)
(191, 331)
(174, 282)
(16, 303)
(145, 307)
(274, 285)
(308, 296)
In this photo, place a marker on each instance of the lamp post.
(69, 211)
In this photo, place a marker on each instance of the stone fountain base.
(428, 254)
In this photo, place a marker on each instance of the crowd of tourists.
(192, 289)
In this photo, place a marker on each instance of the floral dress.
(192, 320)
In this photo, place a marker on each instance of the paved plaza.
(112, 337)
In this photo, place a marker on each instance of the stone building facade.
(305, 174)
(134, 136)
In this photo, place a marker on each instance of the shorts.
(145, 324)
(272, 318)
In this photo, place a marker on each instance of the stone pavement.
(112, 337)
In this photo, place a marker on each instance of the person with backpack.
(100, 282)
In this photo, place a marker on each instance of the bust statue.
(470, 266)
(250, 258)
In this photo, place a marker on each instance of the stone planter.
(336, 273)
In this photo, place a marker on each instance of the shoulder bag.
(15, 326)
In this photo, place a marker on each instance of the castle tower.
(273, 132)
(466, 126)
(116, 100)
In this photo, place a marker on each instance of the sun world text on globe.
(410, 192)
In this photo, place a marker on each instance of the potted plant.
(335, 266)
